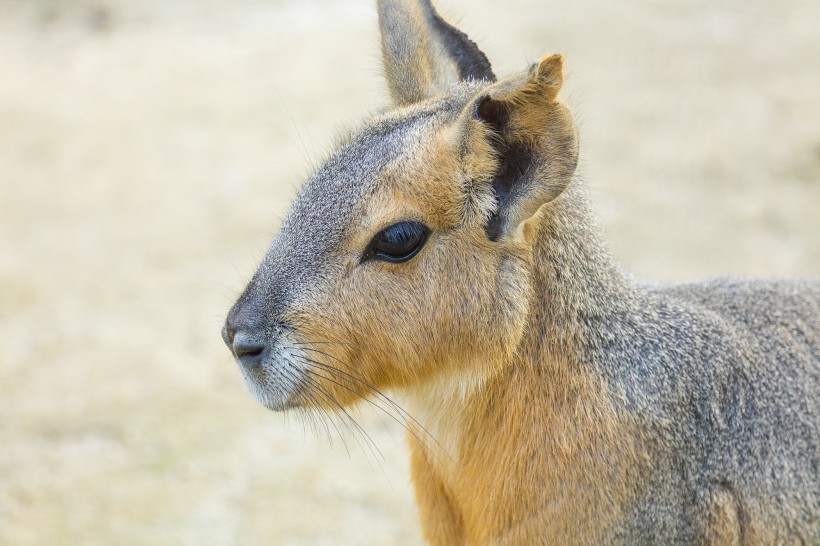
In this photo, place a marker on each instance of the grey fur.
(724, 374)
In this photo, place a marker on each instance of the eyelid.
(400, 220)
(370, 252)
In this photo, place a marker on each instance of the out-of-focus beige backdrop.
(149, 149)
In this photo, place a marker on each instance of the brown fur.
(588, 464)
(589, 456)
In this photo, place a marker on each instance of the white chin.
(271, 389)
(274, 381)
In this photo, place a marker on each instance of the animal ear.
(531, 139)
(424, 55)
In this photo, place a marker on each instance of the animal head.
(409, 252)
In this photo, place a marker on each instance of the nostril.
(249, 353)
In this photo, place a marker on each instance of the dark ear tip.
(490, 111)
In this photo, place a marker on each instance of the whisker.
(307, 399)
(320, 343)
(379, 394)
(404, 425)
(362, 380)
(301, 397)
(328, 397)
(324, 395)
(406, 417)
(371, 445)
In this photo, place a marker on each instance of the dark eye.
(397, 243)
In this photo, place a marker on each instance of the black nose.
(248, 352)
(243, 337)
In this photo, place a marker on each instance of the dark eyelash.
(397, 243)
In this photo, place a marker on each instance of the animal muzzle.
(245, 337)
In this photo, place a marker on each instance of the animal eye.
(397, 243)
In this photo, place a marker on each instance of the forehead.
(324, 209)
(329, 198)
(327, 202)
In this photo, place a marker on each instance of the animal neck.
(573, 278)
(573, 275)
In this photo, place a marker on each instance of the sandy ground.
(149, 149)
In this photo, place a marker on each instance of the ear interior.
(492, 112)
(513, 156)
(534, 141)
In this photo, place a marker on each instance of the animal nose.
(248, 351)
(242, 336)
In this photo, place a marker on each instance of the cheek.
(389, 321)
(397, 325)
(479, 313)
(371, 326)
(454, 309)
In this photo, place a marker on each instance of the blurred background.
(148, 151)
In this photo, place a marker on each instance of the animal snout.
(249, 352)
(244, 339)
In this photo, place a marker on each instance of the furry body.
(557, 400)
(637, 414)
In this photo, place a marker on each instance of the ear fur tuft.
(550, 71)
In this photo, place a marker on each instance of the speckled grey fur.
(726, 375)
(723, 374)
